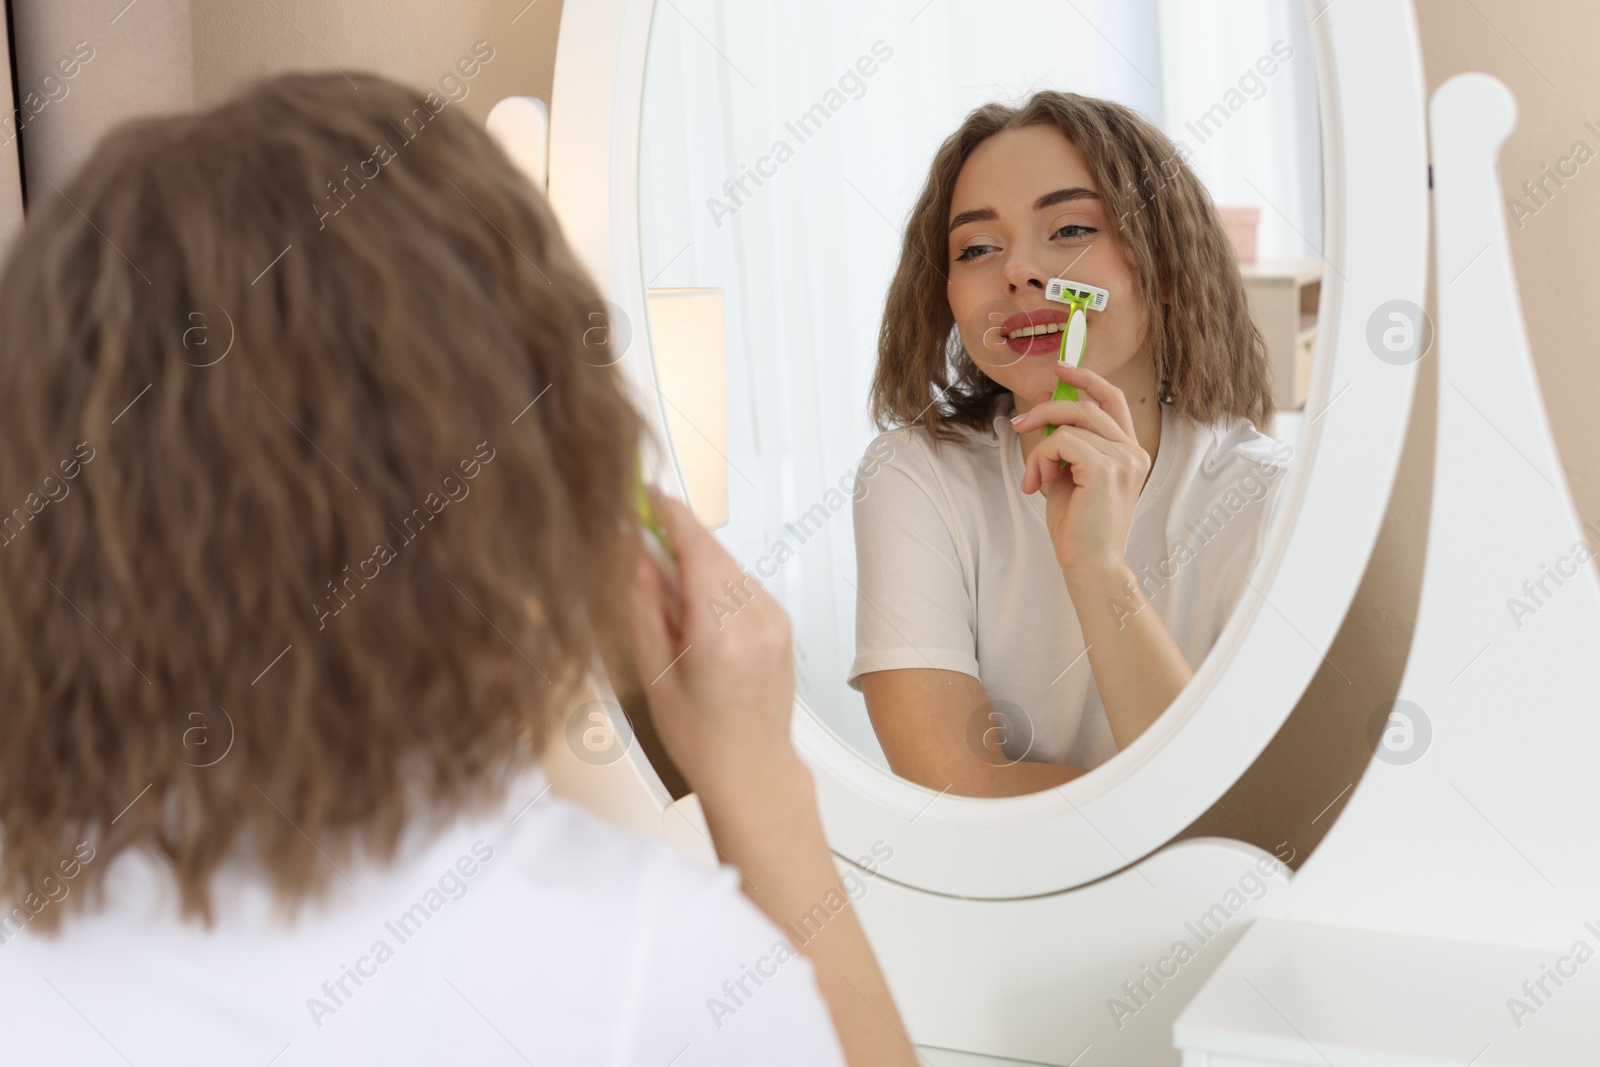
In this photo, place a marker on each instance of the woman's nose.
(1022, 274)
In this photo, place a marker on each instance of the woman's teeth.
(1035, 331)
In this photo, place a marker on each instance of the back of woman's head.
(315, 504)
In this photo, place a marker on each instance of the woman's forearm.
(922, 718)
(980, 779)
(768, 827)
(1138, 667)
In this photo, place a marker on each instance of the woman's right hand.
(722, 711)
(720, 680)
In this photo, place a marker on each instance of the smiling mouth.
(1033, 337)
(1036, 331)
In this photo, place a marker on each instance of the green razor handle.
(1073, 339)
(647, 516)
(1080, 299)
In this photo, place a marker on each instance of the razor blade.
(1091, 297)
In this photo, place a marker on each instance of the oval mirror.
(1009, 717)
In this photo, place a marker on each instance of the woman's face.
(1025, 209)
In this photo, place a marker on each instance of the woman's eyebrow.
(1060, 196)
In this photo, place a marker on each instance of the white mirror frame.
(1376, 238)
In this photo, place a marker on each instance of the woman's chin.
(1029, 389)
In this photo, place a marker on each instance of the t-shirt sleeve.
(717, 984)
(1249, 491)
(913, 608)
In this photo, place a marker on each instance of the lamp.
(687, 335)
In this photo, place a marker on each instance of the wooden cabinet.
(1284, 297)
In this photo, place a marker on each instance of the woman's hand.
(1088, 504)
(720, 683)
(722, 710)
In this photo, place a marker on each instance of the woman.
(1007, 643)
(305, 570)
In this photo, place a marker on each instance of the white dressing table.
(1453, 912)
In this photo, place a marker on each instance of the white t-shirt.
(955, 568)
(534, 933)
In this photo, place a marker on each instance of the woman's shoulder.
(1223, 467)
(1219, 452)
(618, 940)
(569, 842)
(673, 931)
(967, 452)
(614, 861)
(693, 951)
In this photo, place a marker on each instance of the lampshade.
(687, 335)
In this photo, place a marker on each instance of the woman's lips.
(1037, 345)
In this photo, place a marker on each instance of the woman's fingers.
(721, 684)
(700, 559)
(1086, 413)
(706, 571)
(1071, 443)
(683, 529)
(1102, 392)
(651, 633)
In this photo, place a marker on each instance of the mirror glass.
(950, 627)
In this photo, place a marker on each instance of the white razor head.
(1059, 288)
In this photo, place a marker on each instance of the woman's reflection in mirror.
(1028, 604)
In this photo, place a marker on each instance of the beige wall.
(1545, 54)
(1295, 790)
(81, 69)
(413, 41)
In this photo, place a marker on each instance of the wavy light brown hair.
(1210, 358)
(240, 351)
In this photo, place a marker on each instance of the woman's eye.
(1070, 231)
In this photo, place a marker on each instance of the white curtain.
(805, 256)
(1239, 90)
